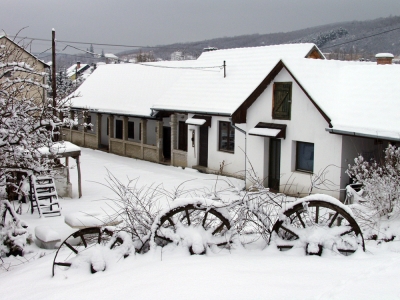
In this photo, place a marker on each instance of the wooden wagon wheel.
(194, 225)
(78, 242)
(318, 224)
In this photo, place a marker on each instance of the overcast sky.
(157, 22)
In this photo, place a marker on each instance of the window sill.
(286, 119)
(304, 171)
(226, 151)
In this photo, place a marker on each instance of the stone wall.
(150, 153)
(117, 146)
(179, 158)
(133, 150)
(80, 138)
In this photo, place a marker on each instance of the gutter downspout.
(245, 150)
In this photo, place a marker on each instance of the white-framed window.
(226, 137)
(305, 157)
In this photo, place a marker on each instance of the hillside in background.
(326, 37)
(346, 40)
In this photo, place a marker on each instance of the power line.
(366, 37)
(96, 44)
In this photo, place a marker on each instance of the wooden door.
(203, 146)
(167, 142)
(183, 136)
(274, 164)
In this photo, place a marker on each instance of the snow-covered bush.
(13, 235)
(381, 182)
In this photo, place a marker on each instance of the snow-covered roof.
(358, 97)
(204, 88)
(72, 69)
(384, 55)
(23, 49)
(127, 89)
(110, 55)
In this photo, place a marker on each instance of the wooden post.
(79, 176)
(67, 166)
(53, 68)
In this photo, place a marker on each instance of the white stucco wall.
(233, 162)
(151, 132)
(306, 125)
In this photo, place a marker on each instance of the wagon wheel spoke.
(204, 219)
(218, 229)
(84, 241)
(347, 232)
(289, 231)
(64, 264)
(70, 247)
(333, 219)
(187, 216)
(163, 238)
(171, 222)
(300, 219)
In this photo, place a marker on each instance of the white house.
(328, 112)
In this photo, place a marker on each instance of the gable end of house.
(239, 116)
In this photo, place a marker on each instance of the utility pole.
(53, 67)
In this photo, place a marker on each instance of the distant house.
(281, 111)
(179, 55)
(19, 54)
(78, 70)
(111, 58)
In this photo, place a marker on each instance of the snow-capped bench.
(46, 238)
(82, 220)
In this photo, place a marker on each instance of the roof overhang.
(269, 130)
(378, 135)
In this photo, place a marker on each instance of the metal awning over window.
(269, 130)
(198, 122)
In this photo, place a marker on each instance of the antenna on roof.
(224, 65)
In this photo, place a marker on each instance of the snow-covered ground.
(174, 274)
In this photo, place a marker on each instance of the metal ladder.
(44, 196)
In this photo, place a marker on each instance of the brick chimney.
(384, 58)
(78, 65)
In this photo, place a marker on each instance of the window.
(183, 131)
(118, 129)
(305, 157)
(140, 131)
(131, 130)
(226, 137)
(282, 100)
(88, 121)
(108, 124)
